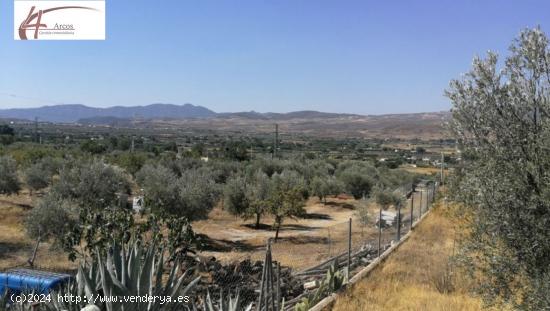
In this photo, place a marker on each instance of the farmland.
(212, 200)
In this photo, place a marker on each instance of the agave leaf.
(208, 302)
(117, 261)
(86, 283)
(134, 268)
(146, 273)
(124, 272)
(159, 271)
(186, 289)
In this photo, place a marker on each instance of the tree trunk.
(278, 222)
(258, 220)
(33, 256)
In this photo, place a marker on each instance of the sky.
(346, 56)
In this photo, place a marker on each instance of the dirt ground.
(302, 243)
(15, 246)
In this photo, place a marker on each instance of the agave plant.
(333, 281)
(133, 271)
(231, 304)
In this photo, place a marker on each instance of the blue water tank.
(28, 280)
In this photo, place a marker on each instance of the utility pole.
(275, 141)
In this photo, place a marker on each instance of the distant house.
(204, 159)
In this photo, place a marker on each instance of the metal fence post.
(379, 230)
(428, 198)
(349, 247)
(398, 222)
(421, 192)
(412, 211)
(278, 306)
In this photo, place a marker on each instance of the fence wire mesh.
(294, 267)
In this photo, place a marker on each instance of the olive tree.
(357, 181)
(92, 184)
(501, 120)
(193, 195)
(37, 178)
(286, 198)
(159, 184)
(235, 200)
(258, 196)
(96, 188)
(9, 182)
(198, 193)
(52, 218)
(324, 186)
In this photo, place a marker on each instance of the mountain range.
(73, 113)
(85, 114)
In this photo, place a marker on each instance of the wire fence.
(284, 274)
(294, 270)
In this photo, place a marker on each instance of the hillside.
(405, 126)
(429, 125)
(73, 113)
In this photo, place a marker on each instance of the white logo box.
(59, 20)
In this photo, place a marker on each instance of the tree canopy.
(501, 119)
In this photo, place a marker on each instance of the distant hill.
(303, 114)
(73, 113)
(427, 125)
(121, 115)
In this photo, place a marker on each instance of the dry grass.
(15, 246)
(417, 276)
(302, 243)
(421, 170)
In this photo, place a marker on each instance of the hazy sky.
(368, 57)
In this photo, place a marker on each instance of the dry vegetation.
(302, 243)
(417, 276)
(15, 246)
(229, 238)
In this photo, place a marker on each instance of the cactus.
(333, 281)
